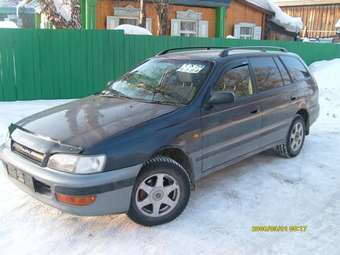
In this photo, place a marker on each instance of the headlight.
(76, 163)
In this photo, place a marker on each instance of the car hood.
(87, 121)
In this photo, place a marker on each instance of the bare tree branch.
(56, 18)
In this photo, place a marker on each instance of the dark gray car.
(139, 146)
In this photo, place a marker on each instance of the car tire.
(295, 139)
(161, 192)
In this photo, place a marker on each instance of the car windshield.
(162, 81)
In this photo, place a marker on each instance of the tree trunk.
(162, 9)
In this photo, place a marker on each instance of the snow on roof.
(305, 2)
(261, 3)
(8, 3)
(14, 3)
(133, 30)
(291, 24)
(337, 25)
(64, 8)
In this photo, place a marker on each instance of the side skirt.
(238, 159)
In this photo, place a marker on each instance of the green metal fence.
(51, 64)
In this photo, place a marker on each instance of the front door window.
(236, 81)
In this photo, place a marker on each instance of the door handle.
(293, 98)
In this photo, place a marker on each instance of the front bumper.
(112, 189)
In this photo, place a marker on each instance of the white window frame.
(127, 12)
(201, 27)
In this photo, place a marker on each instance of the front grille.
(28, 153)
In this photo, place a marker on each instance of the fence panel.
(51, 64)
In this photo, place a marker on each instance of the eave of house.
(281, 29)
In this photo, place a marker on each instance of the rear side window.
(237, 81)
(266, 73)
(296, 69)
(284, 73)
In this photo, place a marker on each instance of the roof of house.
(261, 3)
(9, 6)
(305, 2)
(291, 24)
(14, 3)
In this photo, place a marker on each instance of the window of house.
(296, 69)
(267, 74)
(237, 81)
(188, 28)
(189, 24)
(129, 21)
(247, 31)
(128, 15)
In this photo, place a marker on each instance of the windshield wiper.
(113, 93)
(167, 102)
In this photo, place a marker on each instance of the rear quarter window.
(284, 73)
(267, 75)
(295, 67)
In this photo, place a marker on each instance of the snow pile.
(327, 76)
(337, 25)
(8, 24)
(262, 190)
(133, 30)
(64, 8)
(292, 24)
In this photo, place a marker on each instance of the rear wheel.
(161, 192)
(295, 139)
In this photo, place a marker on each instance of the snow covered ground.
(262, 190)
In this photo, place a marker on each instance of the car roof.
(215, 54)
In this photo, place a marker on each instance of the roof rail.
(189, 48)
(260, 48)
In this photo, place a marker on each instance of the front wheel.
(161, 192)
(295, 139)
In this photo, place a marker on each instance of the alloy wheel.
(296, 136)
(157, 195)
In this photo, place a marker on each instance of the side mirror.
(221, 97)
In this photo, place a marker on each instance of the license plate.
(20, 176)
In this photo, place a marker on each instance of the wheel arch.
(305, 115)
(178, 155)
